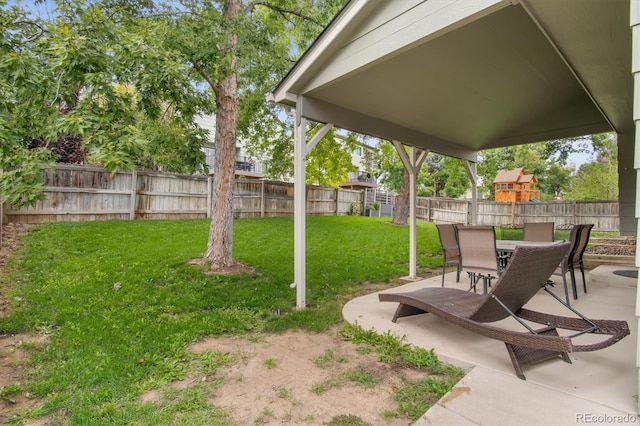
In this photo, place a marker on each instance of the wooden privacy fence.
(80, 193)
(603, 214)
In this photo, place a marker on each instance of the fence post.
(133, 201)
(262, 200)
(209, 184)
(337, 197)
(466, 219)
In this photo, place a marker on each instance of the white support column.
(412, 163)
(412, 217)
(635, 69)
(472, 172)
(300, 151)
(299, 209)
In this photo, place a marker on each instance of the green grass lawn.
(121, 302)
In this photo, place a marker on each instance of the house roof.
(458, 76)
(504, 176)
(516, 175)
(527, 178)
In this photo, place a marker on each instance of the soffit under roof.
(515, 73)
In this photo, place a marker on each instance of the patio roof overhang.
(458, 77)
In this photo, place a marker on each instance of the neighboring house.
(364, 176)
(514, 185)
(246, 167)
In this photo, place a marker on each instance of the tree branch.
(37, 34)
(214, 86)
(281, 11)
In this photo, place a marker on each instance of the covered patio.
(596, 383)
(460, 76)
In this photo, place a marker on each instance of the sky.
(580, 158)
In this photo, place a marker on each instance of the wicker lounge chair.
(525, 274)
(538, 231)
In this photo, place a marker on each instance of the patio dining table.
(509, 246)
(505, 248)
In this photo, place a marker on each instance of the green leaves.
(22, 186)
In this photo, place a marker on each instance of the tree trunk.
(401, 211)
(220, 244)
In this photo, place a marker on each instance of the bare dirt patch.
(13, 363)
(10, 238)
(300, 378)
(236, 268)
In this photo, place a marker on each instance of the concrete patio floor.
(597, 388)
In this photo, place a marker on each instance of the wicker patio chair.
(478, 254)
(450, 251)
(525, 274)
(538, 231)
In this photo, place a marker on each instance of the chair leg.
(443, 272)
(564, 282)
(406, 311)
(522, 356)
(584, 281)
(458, 273)
(573, 281)
(474, 281)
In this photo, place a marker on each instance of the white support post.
(412, 217)
(300, 151)
(299, 209)
(472, 172)
(412, 163)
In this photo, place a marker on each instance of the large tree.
(239, 51)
